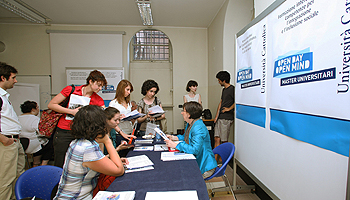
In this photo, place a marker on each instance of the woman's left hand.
(170, 143)
(130, 136)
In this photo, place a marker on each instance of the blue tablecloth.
(166, 176)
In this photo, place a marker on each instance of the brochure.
(160, 147)
(106, 195)
(161, 133)
(132, 115)
(143, 148)
(172, 195)
(138, 162)
(76, 101)
(156, 111)
(169, 156)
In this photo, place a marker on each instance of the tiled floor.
(240, 195)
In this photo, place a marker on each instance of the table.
(166, 176)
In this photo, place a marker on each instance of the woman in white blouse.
(39, 146)
(122, 103)
(191, 88)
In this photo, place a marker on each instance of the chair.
(25, 144)
(38, 181)
(225, 151)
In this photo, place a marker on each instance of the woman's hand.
(122, 116)
(170, 143)
(125, 161)
(128, 137)
(122, 146)
(173, 138)
(103, 140)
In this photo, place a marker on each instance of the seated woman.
(84, 159)
(196, 139)
(40, 146)
(113, 117)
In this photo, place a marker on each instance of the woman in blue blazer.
(196, 139)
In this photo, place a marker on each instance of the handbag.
(163, 125)
(49, 118)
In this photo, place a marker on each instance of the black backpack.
(206, 114)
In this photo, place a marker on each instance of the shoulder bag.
(49, 118)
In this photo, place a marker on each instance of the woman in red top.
(62, 138)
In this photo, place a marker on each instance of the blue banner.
(328, 133)
(251, 114)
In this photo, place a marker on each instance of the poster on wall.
(310, 62)
(113, 76)
(251, 49)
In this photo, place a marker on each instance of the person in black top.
(224, 115)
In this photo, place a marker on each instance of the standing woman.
(121, 102)
(62, 138)
(191, 88)
(149, 89)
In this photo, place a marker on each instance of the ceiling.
(178, 13)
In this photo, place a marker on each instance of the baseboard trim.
(260, 189)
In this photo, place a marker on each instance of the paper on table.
(76, 101)
(133, 115)
(106, 195)
(138, 162)
(160, 147)
(139, 169)
(169, 156)
(143, 148)
(143, 141)
(172, 195)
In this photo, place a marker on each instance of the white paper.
(156, 111)
(124, 195)
(76, 101)
(138, 162)
(160, 147)
(139, 169)
(169, 156)
(172, 195)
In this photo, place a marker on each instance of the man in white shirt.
(12, 158)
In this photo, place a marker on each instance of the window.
(151, 45)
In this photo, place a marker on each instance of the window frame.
(153, 47)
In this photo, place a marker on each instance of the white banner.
(309, 73)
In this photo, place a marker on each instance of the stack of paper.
(143, 148)
(133, 115)
(172, 195)
(169, 156)
(106, 195)
(143, 141)
(139, 163)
